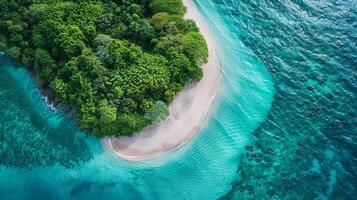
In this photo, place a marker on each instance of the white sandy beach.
(188, 110)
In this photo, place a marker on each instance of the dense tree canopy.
(172, 7)
(116, 63)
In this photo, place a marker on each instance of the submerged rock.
(310, 88)
(249, 148)
(270, 151)
(256, 155)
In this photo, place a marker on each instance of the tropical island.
(189, 110)
(117, 64)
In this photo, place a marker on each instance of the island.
(188, 111)
(131, 71)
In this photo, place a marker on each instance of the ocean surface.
(284, 125)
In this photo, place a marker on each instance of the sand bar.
(188, 110)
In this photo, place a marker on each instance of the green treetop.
(117, 64)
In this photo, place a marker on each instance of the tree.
(195, 47)
(158, 112)
(168, 45)
(60, 88)
(127, 124)
(81, 88)
(173, 7)
(69, 69)
(27, 56)
(44, 65)
(146, 32)
(160, 20)
(184, 25)
(89, 63)
(14, 53)
(3, 43)
(70, 39)
(123, 53)
(180, 67)
(90, 33)
(88, 116)
(102, 40)
(108, 114)
(150, 77)
(119, 31)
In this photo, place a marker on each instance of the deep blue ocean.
(285, 124)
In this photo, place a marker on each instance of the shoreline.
(188, 111)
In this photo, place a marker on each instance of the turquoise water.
(306, 147)
(44, 156)
(284, 126)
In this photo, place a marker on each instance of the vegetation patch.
(116, 63)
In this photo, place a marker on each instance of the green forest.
(116, 63)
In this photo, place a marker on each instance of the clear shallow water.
(44, 156)
(289, 90)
